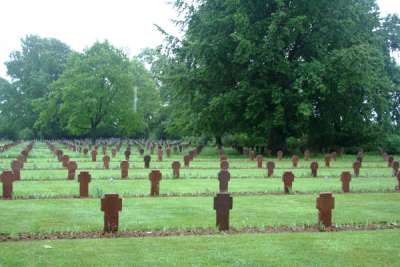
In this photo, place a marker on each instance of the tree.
(94, 95)
(278, 69)
(40, 62)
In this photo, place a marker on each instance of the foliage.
(275, 69)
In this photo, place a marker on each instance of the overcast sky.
(128, 24)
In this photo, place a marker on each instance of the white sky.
(127, 24)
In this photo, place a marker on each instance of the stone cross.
(155, 176)
(94, 154)
(85, 151)
(223, 202)
(127, 154)
(356, 168)
(113, 152)
(160, 154)
(259, 159)
(279, 154)
(106, 162)
(223, 176)
(59, 154)
(345, 178)
(186, 160)
(395, 166)
(314, 168)
(295, 161)
(84, 180)
(176, 165)
(270, 168)
(141, 152)
(7, 178)
(168, 151)
(287, 179)
(325, 205)
(111, 205)
(72, 166)
(223, 157)
(16, 169)
(224, 165)
(147, 160)
(65, 160)
(327, 160)
(124, 166)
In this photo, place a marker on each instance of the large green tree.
(40, 62)
(275, 69)
(94, 95)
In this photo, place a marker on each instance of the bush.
(26, 134)
(391, 144)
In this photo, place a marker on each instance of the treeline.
(57, 92)
(289, 74)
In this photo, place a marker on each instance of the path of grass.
(374, 248)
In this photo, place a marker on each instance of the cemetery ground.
(47, 223)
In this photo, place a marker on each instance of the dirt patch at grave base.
(200, 194)
(194, 232)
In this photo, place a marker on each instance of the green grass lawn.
(22, 216)
(186, 186)
(370, 248)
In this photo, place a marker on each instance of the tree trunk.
(218, 141)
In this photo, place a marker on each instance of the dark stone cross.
(147, 160)
(65, 160)
(94, 154)
(113, 152)
(186, 160)
(176, 165)
(279, 154)
(345, 178)
(160, 154)
(259, 159)
(287, 179)
(72, 166)
(327, 160)
(168, 151)
(16, 169)
(223, 203)
(127, 154)
(295, 161)
(84, 180)
(395, 166)
(356, 168)
(270, 168)
(314, 168)
(155, 176)
(111, 205)
(224, 165)
(325, 205)
(106, 162)
(223, 176)
(124, 166)
(7, 178)
(223, 157)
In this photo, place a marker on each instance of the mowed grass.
(27, 216)
(375, 248)
(43, 189)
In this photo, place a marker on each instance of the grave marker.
(111, 205)
(84, 179)
(124, 166)
(147, 160)
(345, 178)
(106, 162)
(287, 179)
(155, 176)
(356, 168)
(260, 159)
(16, 169)
(314, 168)
(72, 166)
(325, 205)
(7, 178)
(223, 203)
(224, 177)
(176, 165)
(270, 168)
